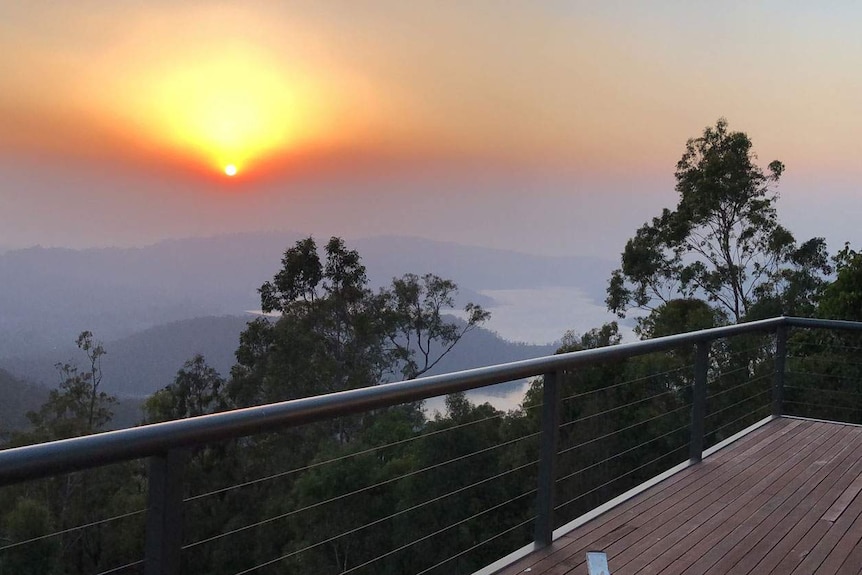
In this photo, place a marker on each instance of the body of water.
(543, 315)
(503, 400)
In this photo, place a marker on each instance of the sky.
(545, 127)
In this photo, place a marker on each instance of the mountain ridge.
(49, 295)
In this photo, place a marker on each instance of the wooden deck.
(784, 499)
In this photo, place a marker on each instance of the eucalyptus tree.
(78, 406)
(334, 333)
(723, 242)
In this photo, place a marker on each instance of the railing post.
(544, 529)
(164, 513)
(698, 401)
(780, 367)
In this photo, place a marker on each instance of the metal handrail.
(44, 459)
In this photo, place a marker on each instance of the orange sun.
(232, 111)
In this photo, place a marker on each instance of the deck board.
(782, 514)
(783, 499)
(650, 505)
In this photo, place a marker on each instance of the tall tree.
(328, 336)
(334, 333)
(78, 406)
(723, 242)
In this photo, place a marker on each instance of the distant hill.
(49, 295)
(19, 397)
(139, 364)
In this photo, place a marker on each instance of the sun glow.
(233, 111)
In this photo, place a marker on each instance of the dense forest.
(394, 491)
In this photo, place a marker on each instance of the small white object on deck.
(597, 563)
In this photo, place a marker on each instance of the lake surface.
(543, 315)
(503, 401)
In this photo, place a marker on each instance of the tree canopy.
(842, 299)
(723, 242)
(334, 333)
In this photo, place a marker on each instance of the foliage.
(28, 518)
(823, 370)
(414, 308)
(723, 242)
(72, 506)
(77, 407)
(679, 316)
(621, 422)
(842, 299)
(196, 390)
(333, 333)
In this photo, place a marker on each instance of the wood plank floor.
(784, 499)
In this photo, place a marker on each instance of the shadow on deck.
(783, 499)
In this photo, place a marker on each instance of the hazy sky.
(548, 127)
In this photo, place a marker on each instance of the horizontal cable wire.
(731, 406)
(630, 449)
(402, 512)
(618, 477)
(822, 406)
(730, 372)
(819, 390)
(71, 529)
(830, 359)
(828, 345)
(402, 547)
(356, 492)
(121, 567)
(341, 458)
(629, 382)
(611, 410)
(749, 414)
(476, 546)
(825, 375)
(750, 351)
(632, 426)
(439, 531)
(743, 384)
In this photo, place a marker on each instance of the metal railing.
(166, 445)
